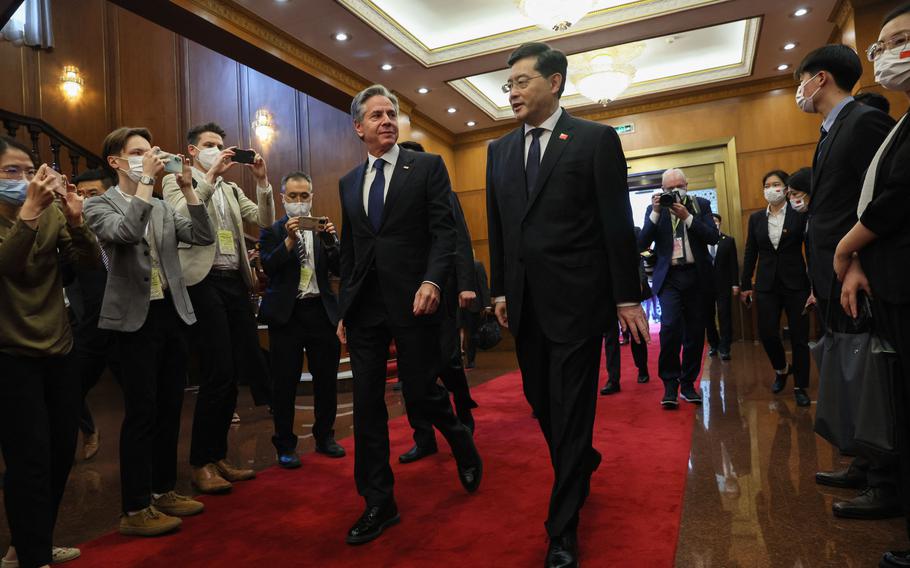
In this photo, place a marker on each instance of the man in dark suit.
(563, 268)
(470, 316)
(302, 313)
(397, 249)
(851, 133)
(458, 291)
(726, 285)
(681, 229)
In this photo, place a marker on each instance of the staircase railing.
(55, 140)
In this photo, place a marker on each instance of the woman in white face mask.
(775, 246)
(873, 256)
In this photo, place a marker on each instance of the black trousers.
(681, 325)
(39, 417)
(226, 338)
(418, 367)
(720, 305)
(153, 375)
(560, 384)
(770, 305)
(471, 322)
(92, 350)
(612, 350)
(452, 375)
(308, 329)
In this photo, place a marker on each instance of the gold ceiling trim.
(382, 22)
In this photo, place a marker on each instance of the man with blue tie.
(397, 249)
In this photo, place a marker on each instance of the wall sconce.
(71, 82)
(262, 125)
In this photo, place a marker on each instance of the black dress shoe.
(802, 399)
(371, 524)
(724, 356)
(849, 478)
(417, 453)
(470, 466)
(612, 387)
(780, 381)
(670, 401)
(873, 503)
(330, 448)
(895, 559)
(689, 394)
(642, 379)
(562, 552)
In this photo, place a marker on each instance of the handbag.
(841, 356)
(488, 333)
(876, 417)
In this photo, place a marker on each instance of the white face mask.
(207, 156)
(892, 70)
(135, 171)
(806, 104)
(799, 204)
(298, 209)
(774, 195)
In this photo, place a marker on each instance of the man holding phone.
(219, 281)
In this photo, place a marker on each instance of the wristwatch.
(147, 180)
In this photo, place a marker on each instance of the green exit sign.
(624, 128)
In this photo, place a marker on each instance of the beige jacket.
(197, 260)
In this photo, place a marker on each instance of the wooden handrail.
(12, 122)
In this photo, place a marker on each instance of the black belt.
(233, 274)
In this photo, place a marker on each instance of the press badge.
(157, 290)
(306, 274)
(226, 241)
(678, 251)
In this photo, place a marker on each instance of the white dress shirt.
(548, 125)
(391, 158)
(776, 224)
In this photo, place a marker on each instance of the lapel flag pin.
(563, 136)
(406, 167)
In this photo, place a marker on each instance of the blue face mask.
(13, 191)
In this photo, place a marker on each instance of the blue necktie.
(532, 167)
(377, 197)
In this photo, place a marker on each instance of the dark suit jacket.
(571, 242)
(415, 241)
(781, 269)
(283, 269)
(726, 265)
(481, 288)
(702, 233)
(837, 179)
(462, 278)
(886, 260)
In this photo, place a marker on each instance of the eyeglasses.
(521, 84)
(895, 43)
(14, 172)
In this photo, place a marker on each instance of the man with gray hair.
(397, 249)
(301, 311)
(681, 227)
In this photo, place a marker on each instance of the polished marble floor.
(750, 499)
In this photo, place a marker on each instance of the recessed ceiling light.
(423, 90)
(386, 67)
(801, 12)
(783, 67)
(451, 110)
(471, 123)
(341, 36)
(789, 46)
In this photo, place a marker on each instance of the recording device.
(243, 156)
(172, 162)
(669, 198)
(313, 223)
(59, 183)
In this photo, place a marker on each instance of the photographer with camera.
(301, 310)
(219, 281)
(147, 306)
(681, 228)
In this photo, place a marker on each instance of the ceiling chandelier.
(555, 15)
(604, 74)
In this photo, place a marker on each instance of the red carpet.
(300, 517)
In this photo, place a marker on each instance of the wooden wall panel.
(12, 95)
(281, 152)
(471, 166)
(334, 150)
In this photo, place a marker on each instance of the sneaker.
(689, 394)
(60, 554)
(177, 505)
(669, 401)
(4, 563)
(289, 460)
(148, 522)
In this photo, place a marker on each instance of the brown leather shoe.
(90, 444)
(232, 473)
(207, 480)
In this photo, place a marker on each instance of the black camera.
(669, 198)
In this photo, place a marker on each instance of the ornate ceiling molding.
(395, 32)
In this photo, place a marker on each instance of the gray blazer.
(121, 228)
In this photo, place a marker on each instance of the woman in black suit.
(775, 244)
